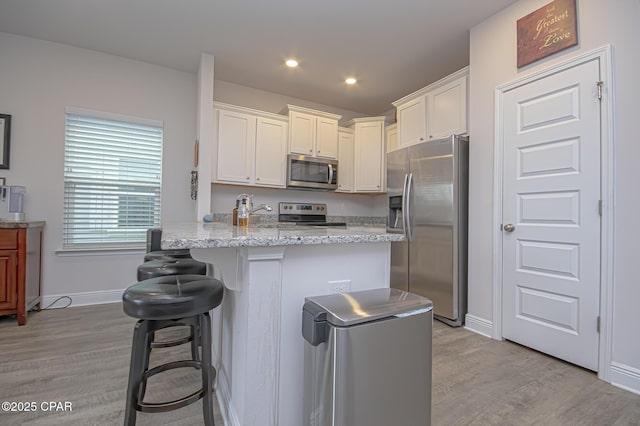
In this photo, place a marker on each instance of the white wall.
(38, 79)
(492, 63)
(249, 97)
(224, 200)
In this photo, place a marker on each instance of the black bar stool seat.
(163, 302)
(167, 255)
(158, 268)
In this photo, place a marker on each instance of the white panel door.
(551, 221)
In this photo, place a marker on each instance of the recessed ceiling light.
(291, 63)
(351, 80)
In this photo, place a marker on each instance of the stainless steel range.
(308, 214)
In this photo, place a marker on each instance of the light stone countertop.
(218, 234)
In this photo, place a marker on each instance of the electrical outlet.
(341, 286)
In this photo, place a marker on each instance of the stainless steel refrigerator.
(427, 189)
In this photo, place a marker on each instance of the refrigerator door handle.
(407, 205)
(404, 197)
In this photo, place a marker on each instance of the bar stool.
(167, 255)
(170, 266)
(167, 267)
(162, 302)
(154, 248)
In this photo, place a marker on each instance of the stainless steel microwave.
(311, 173)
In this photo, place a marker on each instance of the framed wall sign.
(5, 139)
(548, 30)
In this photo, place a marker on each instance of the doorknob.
(509, 227)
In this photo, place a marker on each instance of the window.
(112, 180)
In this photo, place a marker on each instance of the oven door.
(309, 172)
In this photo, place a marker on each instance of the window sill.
(114, 251)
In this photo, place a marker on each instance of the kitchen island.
(268, 270)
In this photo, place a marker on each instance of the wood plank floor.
(81, 355)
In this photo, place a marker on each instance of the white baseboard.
(224, 397)
(478, 325)
(83, 299)
(625, 377)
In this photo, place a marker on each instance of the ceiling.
(392, 47)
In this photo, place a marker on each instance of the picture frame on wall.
(547, 30)
(5, 140)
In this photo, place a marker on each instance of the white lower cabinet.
(346, 151)
(251, 147)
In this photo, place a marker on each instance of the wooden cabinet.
(312, 132)
(20, 266)
(346, 151)
(369, 154)
(250, 147)
(435, 111)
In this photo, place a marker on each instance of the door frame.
(604, 57)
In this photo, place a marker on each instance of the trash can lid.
(347, 309)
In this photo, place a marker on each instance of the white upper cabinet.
(435, 111)
(235, 153)
(447, 109)
(271, 152)
(346, 151)
(312, 132)
(369, 154)
(412, 126)
(250, 147)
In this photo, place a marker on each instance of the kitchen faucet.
(264, 207)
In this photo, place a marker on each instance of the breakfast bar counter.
(268, 270)
(218, 234)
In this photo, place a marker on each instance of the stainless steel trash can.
(367, 359)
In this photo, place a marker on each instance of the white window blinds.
(112, 181)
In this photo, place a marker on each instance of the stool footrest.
(161, 407)
(170, 343)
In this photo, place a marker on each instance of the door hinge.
(598, 324)
(600, 84)
(600, 207)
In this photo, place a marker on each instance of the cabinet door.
(391, 137)
(447, 110)
(8, 279)
(412, 122)
(346, 148)
(302, 129)
(369, 157)
(326, 138)
(270, 152)
(236, 138)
